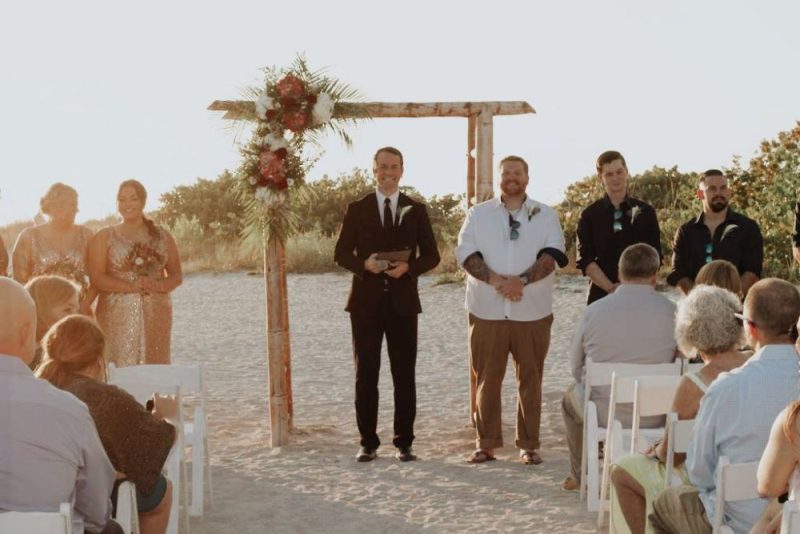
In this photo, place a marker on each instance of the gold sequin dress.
(40, 257)
(137, 327)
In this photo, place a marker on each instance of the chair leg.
(196, 507)
(207, 459)
(174, 472)
(185, 493)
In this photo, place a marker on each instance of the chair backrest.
(679, 434)
(38, 522)
(790, 518)
(735, 482)
(653, 395)
(692, 367)
(600, 374)
(190, 377)
(127, 515)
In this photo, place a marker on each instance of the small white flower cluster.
(322, 111)
(263, 104)
(139, 261)
(274, 142)
(268, 197)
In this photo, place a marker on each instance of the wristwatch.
(524, 279)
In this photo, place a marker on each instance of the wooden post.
(470, 161)
(278, 348)
(484, 188)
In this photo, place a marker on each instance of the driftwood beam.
(245, 109)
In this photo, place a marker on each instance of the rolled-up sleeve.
(95, 481)
(467, 242)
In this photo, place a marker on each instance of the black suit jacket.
(362, 234)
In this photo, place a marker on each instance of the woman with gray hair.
(705, 323)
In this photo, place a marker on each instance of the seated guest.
(55, 298)
(50, 452)
(634, 324)
(720, 273)
(137, 442)
(736, 414)
(705, 323)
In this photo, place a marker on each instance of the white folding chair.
(735, 482)
(790, 518)
(190, 378)
(691, 367)
(651, 396)
(38, 522)
(127, 511)
(597, 375)
(679, 433)
(175, 465)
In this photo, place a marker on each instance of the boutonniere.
(728, 229)
(532, 211)
(403, 211)
(634, 212)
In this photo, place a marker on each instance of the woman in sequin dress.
(135, 265)
(56, 247)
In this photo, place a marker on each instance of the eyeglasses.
(743, 319)
(514, 225)
(709, 250)
(617, 226)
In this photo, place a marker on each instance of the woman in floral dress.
(135, 266)
(56, 247)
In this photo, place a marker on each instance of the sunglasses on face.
(514, 225)
(709, 250)
(617, 226)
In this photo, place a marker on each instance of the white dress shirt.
(486, 230)
(49, 450)
(735, 419)
(392, 203)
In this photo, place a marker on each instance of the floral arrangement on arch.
(292, 108)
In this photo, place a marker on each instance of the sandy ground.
(314, 484)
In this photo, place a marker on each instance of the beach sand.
(314, 484)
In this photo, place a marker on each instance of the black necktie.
(387, 214)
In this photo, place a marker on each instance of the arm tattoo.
(477, 268)
(541, 268)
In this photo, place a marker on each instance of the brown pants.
(490, 342)
(678, 510)
(573, 423)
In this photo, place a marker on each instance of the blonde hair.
(57, 192)
(49, 292)
(71, 345)
(720, 273)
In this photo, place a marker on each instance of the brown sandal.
(480, 456)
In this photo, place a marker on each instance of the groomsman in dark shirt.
(610, 225)
(796, 234)
(718, 233)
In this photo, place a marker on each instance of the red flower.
(311, 99)
(289, 104)
(281, 184)
(281, 153)
(295, 120)
(291, 87)
(271, 114)
(271, 167)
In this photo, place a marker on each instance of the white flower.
(290, 181)
(728, 229)
(139, 261)
(263, 103)
(322, 111)
(274, 142)
(252, 180)
(403, 211)
(533, 210)
(262, 194)
(635, 211)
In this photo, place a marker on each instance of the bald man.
(49, 448)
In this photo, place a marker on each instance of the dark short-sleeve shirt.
(737, 239)
(599, 242)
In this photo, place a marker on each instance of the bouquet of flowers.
(68, 268)
(293, 106)
(144, 260)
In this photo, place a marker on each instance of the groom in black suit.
(383, 297)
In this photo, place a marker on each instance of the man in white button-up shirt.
(509, 247)
(736, 414)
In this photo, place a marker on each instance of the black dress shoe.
(365, 454)
(405, 454)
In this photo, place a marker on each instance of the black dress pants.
(401, 341)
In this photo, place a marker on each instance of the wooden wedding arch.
(480, 187)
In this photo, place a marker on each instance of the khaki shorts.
(679, 510)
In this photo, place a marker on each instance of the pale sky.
(98, 92)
